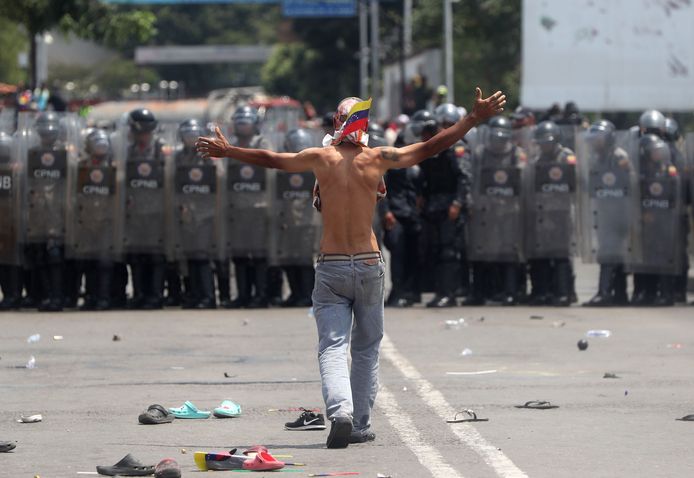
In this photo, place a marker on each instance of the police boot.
(619, 287)
(563, 295)
(605, 285)
(259, 273)
(539, 280)
(479, 275)
(155, 283)
(665, 291)
(173, 285)
(105, 285)
(205, 280)
(274, 286)
(32, 283)
(11, 287)
(307, 277)
(91, 286)
(223, 283)
(445, 297)
(644, 290)
(137, 270)
(191, 294)
(510, 277)
(72, 281)
(243, 285)
(679, 293)
(52, 284)
(119, 283)
(294, 281)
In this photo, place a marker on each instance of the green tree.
(13, 42)
(87, 18)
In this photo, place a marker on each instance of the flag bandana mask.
(354, 128)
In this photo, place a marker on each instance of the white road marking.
(425, 453)
(491, 455)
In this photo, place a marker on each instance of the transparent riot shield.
(245, 206)
(549, 191)
(48, 141)
(12, 174)
(195, 201)
(144, 224)
(689, 179)
(495, 226)
(658, 205)
(294, 222)
(93, 208)
(607, 183)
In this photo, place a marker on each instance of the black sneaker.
(340, 431)
(307, 421)
(361, 437)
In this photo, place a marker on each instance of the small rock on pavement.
(116, 338)
(582, 344)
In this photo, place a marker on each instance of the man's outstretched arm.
(219, 147)
(393, 158)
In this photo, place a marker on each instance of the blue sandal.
(227, 409)
(188, 410)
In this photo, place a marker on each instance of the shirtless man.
(350, 270)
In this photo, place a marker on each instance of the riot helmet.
(672, 130)
(189, 131)
(654, 149)
(652, 122)
(245, 120)
(297, 140)
(98, 143)
(423, 121)
(500, 134)
(546, 136)
(447, 115)
(601, 135)
(48, 127)
(142, 121)
(5, 148)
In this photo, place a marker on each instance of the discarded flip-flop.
(6, 446)
(686, 418)
(537, 405)
(470, 416)
(188, 410)
(30, 419)
(227, 409)
(263, 461)
(155, 415)
(127, 466)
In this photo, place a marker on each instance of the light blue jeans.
(348, 306)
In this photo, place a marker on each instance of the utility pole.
(407, 28)
(363, 49)
(375, 58)
(448, 46)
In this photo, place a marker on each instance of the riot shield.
(658, 204)
(195, 227)
(245, 207)
(48, 141)
(144, 225)
(549, 198)
(294, 223)
(494, 230)
(12, 170)
(606, 187)
(91, 226)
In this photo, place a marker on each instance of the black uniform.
(443, 185)
(402, 240)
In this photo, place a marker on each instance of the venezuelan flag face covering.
(351, 123)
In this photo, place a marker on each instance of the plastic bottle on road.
(603, 334)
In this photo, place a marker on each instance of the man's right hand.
(389, 221)
(488, 107)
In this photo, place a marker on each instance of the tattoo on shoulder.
(390, 154)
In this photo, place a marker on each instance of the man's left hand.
(213, 147)
(453, 211)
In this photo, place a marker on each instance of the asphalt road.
(90, 390)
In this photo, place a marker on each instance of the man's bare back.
(349, 174)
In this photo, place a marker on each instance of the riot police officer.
(444, 195)
(548, 188)
(609, 186)
(144, 218)
(195, 209)
(10, 224)
(495, 232)
(659, 221)
(45, 233)
(402, 227)
(92, 237)
(247, 202)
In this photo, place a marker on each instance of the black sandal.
(537, 405)
(128, 466)
(6, 446)
(686, 418)
(155, 415)
(471, 417)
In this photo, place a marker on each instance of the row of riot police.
(87, 212)
(508, 207)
